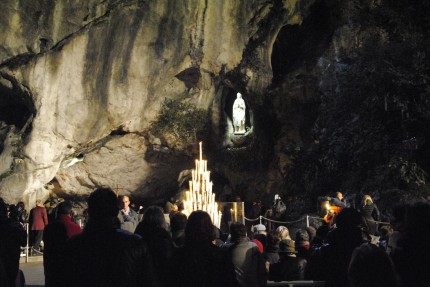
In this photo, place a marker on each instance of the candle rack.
(200, 195)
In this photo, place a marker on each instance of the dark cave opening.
(298, 45)
(16, 106)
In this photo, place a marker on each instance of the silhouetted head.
(199, 228)
(152, 223)
(154, 218)
(371, 266)
(64, 207)
(302, 236)
(237, 231)
(20, 205)
(178, 222)
(283, 232)
(102, 204)
(367, 200)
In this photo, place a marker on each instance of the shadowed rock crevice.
(16, 106)
(190, 77)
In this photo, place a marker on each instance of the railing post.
(28, 242)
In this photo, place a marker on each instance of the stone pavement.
(33, 273)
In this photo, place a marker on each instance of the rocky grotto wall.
(97, 74)
(118, 93)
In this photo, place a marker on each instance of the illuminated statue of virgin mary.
(239, 115)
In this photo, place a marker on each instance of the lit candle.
(200, 145)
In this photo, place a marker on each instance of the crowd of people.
(117, 249)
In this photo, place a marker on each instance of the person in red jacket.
(64, 217)
(38, 220)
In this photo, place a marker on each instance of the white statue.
(239, 115)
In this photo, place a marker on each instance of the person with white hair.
(38, 220)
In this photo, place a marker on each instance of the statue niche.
(239, 115)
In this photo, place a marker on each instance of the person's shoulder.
(127, 235)
(133, 212)
(54, 225)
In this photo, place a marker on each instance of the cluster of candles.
(200, 195)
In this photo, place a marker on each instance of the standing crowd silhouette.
(117, 249)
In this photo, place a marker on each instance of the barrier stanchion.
(27, 246)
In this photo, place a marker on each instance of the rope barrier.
(316, 217)
(379, 222)
(258, 218)
(276, 221)
(307, 220)
(284, 222)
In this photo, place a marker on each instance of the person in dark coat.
(371, 266)
(289, 267)
(3, 275)
(153, 232)
(177, 228)
(249, 264)
(341, 242)
(12, 237)
(103, 254)
(38, 220)
(370, 212)
(18, 213)
(272, 251)
(200, 263)
(54, 236)
(412, 252)
(302, 244)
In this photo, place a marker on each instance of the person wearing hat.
(289, 267)
(260, 229)
(260, 234)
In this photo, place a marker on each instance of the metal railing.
(296, 283)
(307, 217)
(26, 248)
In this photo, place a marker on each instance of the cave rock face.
(87, 78)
